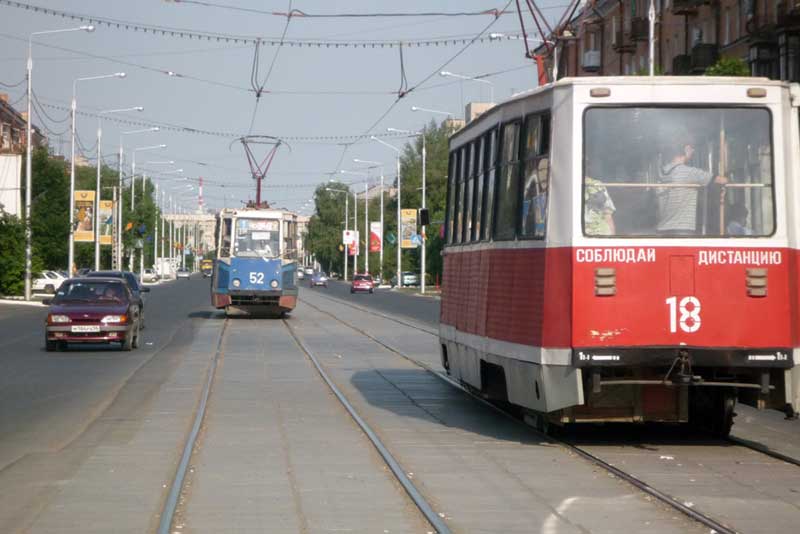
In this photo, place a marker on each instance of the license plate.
(85, 328)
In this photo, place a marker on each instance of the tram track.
(685, 508)
(391, 462)
(176, 487)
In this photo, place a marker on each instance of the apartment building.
(12, 129)
(611, 37)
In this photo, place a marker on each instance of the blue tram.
(255, 272)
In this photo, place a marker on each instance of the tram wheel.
(712, 410)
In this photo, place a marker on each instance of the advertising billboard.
(84, 216)
(106, 215)
(408, 220)
(375, 236)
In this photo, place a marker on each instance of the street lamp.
(133, 171)
(471, 78)
(428, 110)
(424, 169)
(378, 164)
(73, 108)
(29, 153)
(97, 189)
(119, 210)
(157, 263)
(346, 217)
(397, 152)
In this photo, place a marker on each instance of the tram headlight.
(236, 282)
(273, 284)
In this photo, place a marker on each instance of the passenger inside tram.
(678, 172)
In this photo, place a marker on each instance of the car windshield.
(257, 238)
(91, 291)
(673, 172)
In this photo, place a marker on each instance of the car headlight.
(273, 284)
(236, 282)
(58, 319)
(114, 319)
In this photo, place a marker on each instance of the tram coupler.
(682, 376)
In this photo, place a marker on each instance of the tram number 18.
(256, 278)
(684, 313)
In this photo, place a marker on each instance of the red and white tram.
(626, 249)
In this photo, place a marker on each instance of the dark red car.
(93, 310)
(362, 282)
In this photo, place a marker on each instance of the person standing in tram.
(678, 205)
(598, 209)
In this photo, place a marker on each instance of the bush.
(12, 260)
(728, 66)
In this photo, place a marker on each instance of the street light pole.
(473, 79)
(397, 151)
(29, 154)
(73, 109)
(379, 165)
(97, 189)
(119, 208)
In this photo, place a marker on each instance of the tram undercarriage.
(700, 388)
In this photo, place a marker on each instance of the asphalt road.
(49, 400)
(421, 308)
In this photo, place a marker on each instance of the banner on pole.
(408, 220)
(106, 214)
(353, 249)
(348, 236)
(84, 216)
(375, 236)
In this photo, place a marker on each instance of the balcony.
(640, 29)
(622, 43)
(703, 56)
(681, 65)
(685, 7)
(789, 14)
(591, 60)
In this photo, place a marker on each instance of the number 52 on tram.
(626, 249)
(255, 272)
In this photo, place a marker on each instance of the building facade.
(610, 38)
(13, 123)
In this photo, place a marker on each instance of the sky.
(308, 92)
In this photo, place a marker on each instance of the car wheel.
(49, 289)
(61, 346)
(50, 346)
(370, 292)
(127, 343)
(352, 291)
(135, 340)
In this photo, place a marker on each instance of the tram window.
(678, 172)
(451, 193)
(257, 238)
(508, 190)
(478, 193)
(537, 170)
(490, 171)
(225, 239)
(462, 156)
(469, 178)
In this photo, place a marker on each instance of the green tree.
(49, 215)
(325, 227)
(12, 259)
(728, 66)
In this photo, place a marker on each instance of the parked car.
(183, 272)
(309, 271)
(362, 282)
(133, 284)
(149, 275)
(300, 274)
(48, 282)
(318, 279)
(93, 310)
(410, 278)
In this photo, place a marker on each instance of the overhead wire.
(13, 85)
(185, 33)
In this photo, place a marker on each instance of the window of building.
(505, 224)
(490, 172)
(535, 185)
(477, 207)
(469, 182)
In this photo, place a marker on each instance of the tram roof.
(611, 81)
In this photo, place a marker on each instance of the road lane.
(58, 409)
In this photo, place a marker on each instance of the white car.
(300, 274)
(48, 282)
(149, 275)
(183, 273)
(309, 271)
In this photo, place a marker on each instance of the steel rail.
(639, 484)
(419, 500)
(171, 504)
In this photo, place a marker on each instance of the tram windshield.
(677, 172)
(257, 238)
